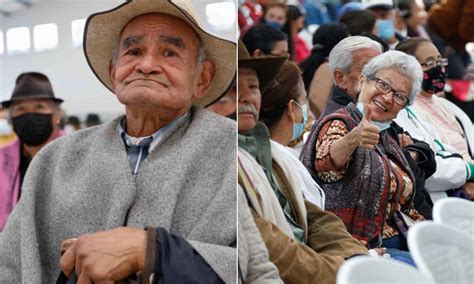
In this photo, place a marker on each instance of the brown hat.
(102, 33)
(32, 85)
(266, 67)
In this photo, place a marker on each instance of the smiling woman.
(356, 153)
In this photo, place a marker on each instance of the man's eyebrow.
(131, 40)
(176, 41)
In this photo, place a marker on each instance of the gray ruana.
(82, 183)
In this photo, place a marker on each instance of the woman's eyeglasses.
(385, 88)
(433, 63)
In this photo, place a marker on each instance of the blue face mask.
(275, 25)
(298, 128)
(381, 125)
(385, 29)
(241, 2)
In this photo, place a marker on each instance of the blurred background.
(46, 36)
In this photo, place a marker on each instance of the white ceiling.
(9, 7)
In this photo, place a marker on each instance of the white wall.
(66, 66)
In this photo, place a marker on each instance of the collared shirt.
(138, 148)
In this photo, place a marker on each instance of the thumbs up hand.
(366, 134)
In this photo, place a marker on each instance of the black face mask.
(33, 129)
(434, 80)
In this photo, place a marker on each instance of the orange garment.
(453, 20)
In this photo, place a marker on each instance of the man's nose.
(149, 64)
(244, 95)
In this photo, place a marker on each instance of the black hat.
(32, 85)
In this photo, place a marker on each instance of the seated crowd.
(342, 150)
(342, 146)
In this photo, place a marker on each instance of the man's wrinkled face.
(351, 79)
(156, 64)
(249, 99)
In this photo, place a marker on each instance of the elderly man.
(35, 116)
(307, 244)
(346, 61)
(167, 163)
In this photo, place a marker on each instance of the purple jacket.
(10, 179)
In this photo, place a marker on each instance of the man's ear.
(206, 75)
(360, 83)
(57, 115)
(258, 53)
(339, 79)
(112, 71)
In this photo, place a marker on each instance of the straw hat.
(31, 85)
(102, 33)
(266, 67)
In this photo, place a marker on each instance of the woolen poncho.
(82, 183)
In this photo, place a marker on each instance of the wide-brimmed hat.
(32, 85)
(266, 67)
(102, 33)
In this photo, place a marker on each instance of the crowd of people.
(287, 153)
(354, 139)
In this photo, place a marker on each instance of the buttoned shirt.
(138, 148)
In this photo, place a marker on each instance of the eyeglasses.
(433, 63)
(385, 88)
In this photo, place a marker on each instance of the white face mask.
(381, 125)
(5, 127)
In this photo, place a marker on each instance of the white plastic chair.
(442, 253)
(455, 212)
(367, 270)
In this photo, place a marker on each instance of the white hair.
(403, 63)
(341, 55)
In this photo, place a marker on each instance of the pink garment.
(302, 50)
(451, 133)
(10, 178)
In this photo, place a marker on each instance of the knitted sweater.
(82, 183)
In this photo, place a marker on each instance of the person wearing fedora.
(35, 115)
(168, 165)
(306, 244)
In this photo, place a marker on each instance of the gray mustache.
(248, 108)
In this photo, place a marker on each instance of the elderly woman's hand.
(365, 134)
(469, 190)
